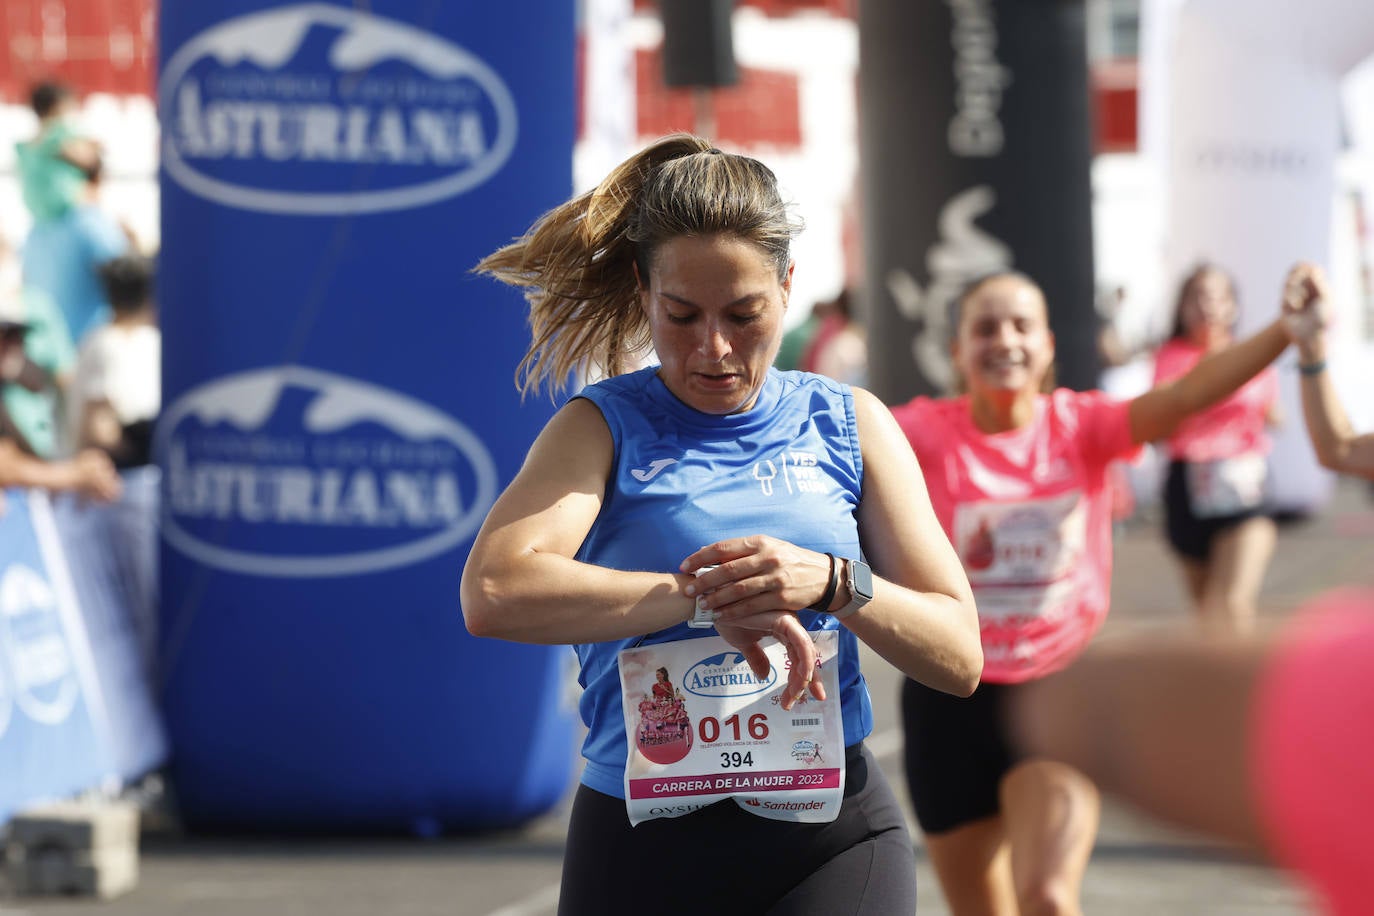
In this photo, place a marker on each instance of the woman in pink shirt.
(1214, 493)
(1018, 476)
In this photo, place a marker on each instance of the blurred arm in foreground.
(1259, 742)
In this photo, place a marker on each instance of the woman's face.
(1004, 342)
(1209, 306)
(715, 307)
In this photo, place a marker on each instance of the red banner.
(94, 45)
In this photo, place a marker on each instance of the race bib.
(703, 728)
(1022, 557)
(1226, 486)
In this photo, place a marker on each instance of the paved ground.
(1139, 868)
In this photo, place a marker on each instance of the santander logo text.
(319, 109)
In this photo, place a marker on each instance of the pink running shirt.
(1236, 425)
(1029, 513)
(1313, 749)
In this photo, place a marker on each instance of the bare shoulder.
(576, 436)
(881, 440)
(874, 417)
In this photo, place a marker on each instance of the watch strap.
(823, 605)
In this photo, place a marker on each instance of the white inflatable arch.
(1241, 103)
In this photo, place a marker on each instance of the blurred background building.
(794, 104)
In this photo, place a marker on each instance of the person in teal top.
(710, 486)
(55, 166)
(31, 388)
(71, 234)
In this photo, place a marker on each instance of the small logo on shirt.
(644, 475)
(795, 471)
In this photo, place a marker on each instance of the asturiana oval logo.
(726, 675)
(318, 109)
(294, 472)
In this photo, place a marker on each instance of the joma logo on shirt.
(644, 475)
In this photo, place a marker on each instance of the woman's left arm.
(922, 618)
(1155, 414)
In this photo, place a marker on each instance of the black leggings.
(957, 751)
(723, 860)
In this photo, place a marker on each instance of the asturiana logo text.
(726, 675)
(297, 472)
(276, 111)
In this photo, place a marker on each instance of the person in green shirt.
(57, 165)
(33, 373)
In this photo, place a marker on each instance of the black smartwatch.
(860, 580)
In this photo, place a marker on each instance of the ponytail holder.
(823, 606)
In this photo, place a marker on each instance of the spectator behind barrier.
(89, 474)
(33, 375)
(116, 389)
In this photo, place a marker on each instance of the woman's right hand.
(1306, 313)
(94, 476)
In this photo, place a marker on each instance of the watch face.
(862, 578)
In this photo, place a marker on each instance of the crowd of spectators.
(80, 349)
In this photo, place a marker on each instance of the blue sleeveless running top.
(681, 479)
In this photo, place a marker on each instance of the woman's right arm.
(1157, 413)
(89, 473)
(922, 618)
(1333, 438)
(521, 581)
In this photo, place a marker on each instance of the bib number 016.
(709, 728)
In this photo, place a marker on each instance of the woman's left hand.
(755, 585)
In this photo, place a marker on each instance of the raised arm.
(1156, 413)
(1306, 317)
(922, 617)
(521, 582)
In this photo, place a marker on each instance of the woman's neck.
(1002, 411)
(133, 319)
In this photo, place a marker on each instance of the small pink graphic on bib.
(980, 552)
(665, 730)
